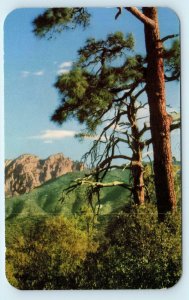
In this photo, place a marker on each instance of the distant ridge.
(29, 171)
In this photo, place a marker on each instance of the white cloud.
(66, 64)
(38, 73)
(63, 71)
(25, 74)
(64, 67)
(95, 137)
(48, 141)
(48, 135)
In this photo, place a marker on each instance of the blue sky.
(31, 68)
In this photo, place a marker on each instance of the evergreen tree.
(153, 77)
(105, 96)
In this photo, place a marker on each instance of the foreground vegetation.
(126, 247)
(134, 251)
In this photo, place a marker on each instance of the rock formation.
(29, 171)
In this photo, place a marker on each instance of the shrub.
(46, 254)
(139, 252)
(135, 252)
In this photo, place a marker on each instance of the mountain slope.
(44, 200)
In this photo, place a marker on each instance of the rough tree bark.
(137, 168)
(160, 121)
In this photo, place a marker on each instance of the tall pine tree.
(57, 19)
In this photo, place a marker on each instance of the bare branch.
(147, 142)
(172, 78)
(144, 129)
(133, 86)
(175, 126)
(172, 127)
(95, 185)
(122, 167)
(118, 13)
(124, 87)
(140, 16)
(171, 36)
(140, 92)
(107, 184)
(107, 160)
(123, 140)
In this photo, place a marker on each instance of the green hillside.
(45, 199)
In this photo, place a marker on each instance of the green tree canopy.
(54, 20)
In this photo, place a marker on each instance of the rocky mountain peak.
(29, 171)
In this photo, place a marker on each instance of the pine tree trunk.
(137, 168)
(138, 182)
(160, 121)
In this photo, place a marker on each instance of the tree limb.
(94, 184)
(122, 167)
(147, 142)
(118, 13)
(140, 16)
(107, 160)
(140, 92)
(170, 36)
(172, 127)
(175, 126)
(144, 129)
(172, 78)
(102, 185)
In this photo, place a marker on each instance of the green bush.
(46, 254)
(135, 252)
(139, 252)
